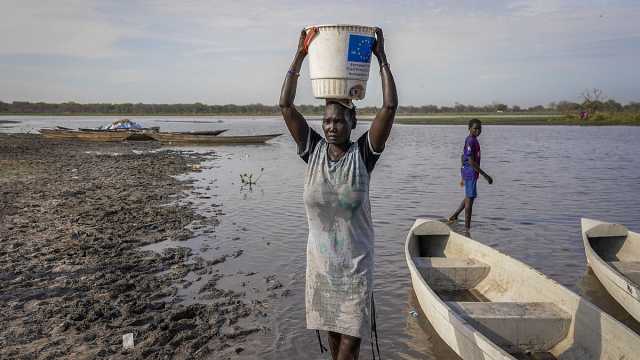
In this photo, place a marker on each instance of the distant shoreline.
(413, 119)
(550, 121)
(361, 114)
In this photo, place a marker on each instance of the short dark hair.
(474, 121)
(349, 110)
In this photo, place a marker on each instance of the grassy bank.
(628, 119)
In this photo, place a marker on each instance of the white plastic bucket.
(339, 61)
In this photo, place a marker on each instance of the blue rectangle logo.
(360, 48)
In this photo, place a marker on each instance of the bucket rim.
(372, 28)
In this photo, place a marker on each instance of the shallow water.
(546, 178)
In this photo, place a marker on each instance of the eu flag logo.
(360, 48)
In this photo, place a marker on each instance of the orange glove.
(311, 33)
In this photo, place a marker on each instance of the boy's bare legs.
(454, 217)
(468, 209)
(467, 206)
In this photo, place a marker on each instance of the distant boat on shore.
(194, 138)
(95, 135)
(119, 130)
(487, 305)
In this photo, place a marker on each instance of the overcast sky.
(217, 52)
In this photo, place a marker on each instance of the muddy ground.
(72, 278)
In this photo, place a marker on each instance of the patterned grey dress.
(339, 277)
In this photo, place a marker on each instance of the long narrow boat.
(186, 138)
(487, 305)
(95, 135)
(613, 253)
(156, 129)
(58, 134)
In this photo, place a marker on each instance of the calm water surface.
(546, 178)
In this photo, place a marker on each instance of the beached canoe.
(58, 134)
(613, 253)
(186, 138)
(95, 135)
(156, 129)
(100, 136)
(487, 305)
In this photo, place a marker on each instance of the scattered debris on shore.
(74, 282)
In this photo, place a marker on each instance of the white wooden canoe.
(613, 253)
(486, 305)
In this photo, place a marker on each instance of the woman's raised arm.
(296, 123)
(382, 123)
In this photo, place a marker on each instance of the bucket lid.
(351, 27)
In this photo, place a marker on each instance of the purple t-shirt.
(471, 150)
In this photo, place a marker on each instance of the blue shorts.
(470, 188)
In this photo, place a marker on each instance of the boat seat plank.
(630, 269)
(517, 327)
(451, 274)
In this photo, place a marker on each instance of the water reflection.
(592, 290)
(423, 341)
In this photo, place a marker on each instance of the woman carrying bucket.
(340, 247)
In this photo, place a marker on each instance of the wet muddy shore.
(73, 281)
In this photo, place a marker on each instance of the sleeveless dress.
(339, 275)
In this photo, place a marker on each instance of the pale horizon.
(523, 53)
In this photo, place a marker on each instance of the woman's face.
(336, 127)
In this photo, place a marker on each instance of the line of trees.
(610, 106)
(70, 108)
(24, 107)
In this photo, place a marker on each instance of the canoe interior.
(616, 248)
(621, 252)
(465, 282)
(462, 295)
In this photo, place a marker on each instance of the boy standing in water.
(470, 172)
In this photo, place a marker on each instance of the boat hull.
(58, 134)
(95, 135)
(591, 333)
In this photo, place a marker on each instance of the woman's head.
(339, 119)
